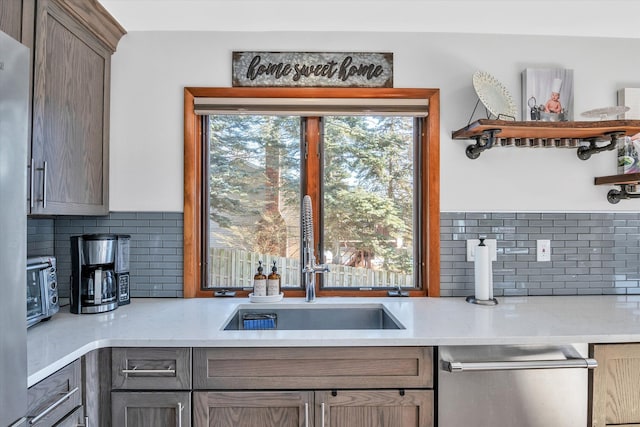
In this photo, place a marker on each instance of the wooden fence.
(235, 268)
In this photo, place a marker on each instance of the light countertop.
(165, 322)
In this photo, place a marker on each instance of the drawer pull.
(322, 416)
(180, 408)
(306, 415)
(41, 415)
(135, 370)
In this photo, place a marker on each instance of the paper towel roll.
(482, 269)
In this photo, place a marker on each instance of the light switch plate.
(471, 248)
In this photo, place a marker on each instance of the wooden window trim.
(430, 214)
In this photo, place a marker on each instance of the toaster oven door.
(36, 297)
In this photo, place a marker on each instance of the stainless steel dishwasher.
(507, 386)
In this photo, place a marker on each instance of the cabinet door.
(252, 408)
(615, 385)
(11, 18)
(374, 408)
(70, 117)
(151, 409)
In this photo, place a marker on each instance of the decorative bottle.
(259, 282)
(273, 281)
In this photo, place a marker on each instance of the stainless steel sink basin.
(312, 317)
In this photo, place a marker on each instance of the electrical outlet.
(471, 248)
(543, 252)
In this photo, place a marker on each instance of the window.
(373, 180)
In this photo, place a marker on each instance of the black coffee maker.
(93, 279)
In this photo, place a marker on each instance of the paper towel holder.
(473, 300)
(489, 299)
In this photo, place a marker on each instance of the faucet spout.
(309, 266)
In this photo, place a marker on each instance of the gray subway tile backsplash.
(156, 247)
(591, 253)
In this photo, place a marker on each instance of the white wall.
(150, 70)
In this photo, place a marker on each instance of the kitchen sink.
(312, 317)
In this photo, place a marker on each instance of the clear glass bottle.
(259, 282)
(273, 281)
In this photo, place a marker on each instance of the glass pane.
(368, 201)
(254, 199)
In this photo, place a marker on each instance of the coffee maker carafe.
(93, 279)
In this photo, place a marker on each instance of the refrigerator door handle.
(34, 420)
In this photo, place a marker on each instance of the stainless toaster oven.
(42, 289)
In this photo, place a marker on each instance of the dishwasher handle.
(453, 366)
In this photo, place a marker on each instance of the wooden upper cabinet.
(11, 18)
(69, 171)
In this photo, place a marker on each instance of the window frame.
(429, 214)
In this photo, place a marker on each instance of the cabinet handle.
(306, 415)
(41, 415)
(135, 370)
(44, 184)
(31, 174)
(180, 408)
(86, 423)
(322, 415)
(19, 423)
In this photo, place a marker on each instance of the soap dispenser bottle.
(259, 282)
(273, 281)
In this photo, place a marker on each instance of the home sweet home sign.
(312, 69)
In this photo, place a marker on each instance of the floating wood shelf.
(495, 133)
(626, 182)
(629, 178)
(498, 133)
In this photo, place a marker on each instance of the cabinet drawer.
(150, 409)
(151, 368)
(54, 397)
(74, 419)
(307, 368)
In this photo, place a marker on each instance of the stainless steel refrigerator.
(14, 98)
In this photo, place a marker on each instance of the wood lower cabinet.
(151, 409)
(151, 387)
(614, 386)
(253, 408)
(374, 408)
(75, 419)
(151, 368)
(313, 387)
(57, 399)
(336, 408)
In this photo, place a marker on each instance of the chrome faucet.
(309, 266)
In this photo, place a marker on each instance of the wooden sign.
(312, 69)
